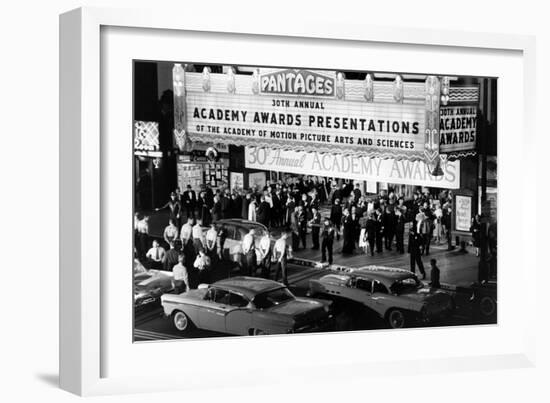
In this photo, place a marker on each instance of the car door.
(360, 290)
(239, 319)
(214, 309)
(379, 298)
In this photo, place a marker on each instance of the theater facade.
(242, 126)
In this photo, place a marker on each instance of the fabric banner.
(352, 167)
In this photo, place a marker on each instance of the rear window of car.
(237, 300)
(273, 298)
(240, 233)
(364, 284)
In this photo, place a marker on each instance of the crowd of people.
(368, 224)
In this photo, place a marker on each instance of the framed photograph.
(358, 170)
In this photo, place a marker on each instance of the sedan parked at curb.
(246, 306)
(395, 295)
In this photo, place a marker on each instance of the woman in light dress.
(252, 210)
(363, 244)
(438, 224)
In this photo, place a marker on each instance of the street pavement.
(458, 270)
(151, 324)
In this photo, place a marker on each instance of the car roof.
(381, 273)
(247, 286)
(241, 223)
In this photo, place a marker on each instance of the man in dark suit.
(357, 192)
(190, 201)
(388, 219)
(379, 231)
(415, 251)
(315, 223)
(225, 202)
(336, 216)
(171, 257)
(277, 208)
(371, 228)
(327, 241)
(216, 209)
(399, 230)
(434, 274)
(262, 215)
(301, 219)
(244, 206)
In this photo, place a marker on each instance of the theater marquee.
(308, 125)
(319, 111)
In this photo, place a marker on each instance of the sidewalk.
(457, 268)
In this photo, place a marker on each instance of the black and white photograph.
(286, 199)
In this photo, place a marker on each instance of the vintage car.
(149, 285)
(246, 306)
(395, 295)
(235, 230)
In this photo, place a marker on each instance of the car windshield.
(405, 285)
(273, 298)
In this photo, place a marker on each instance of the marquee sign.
(385, 130)
(353, 167)
(457, 128)
(316, 111)
(297, 82)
